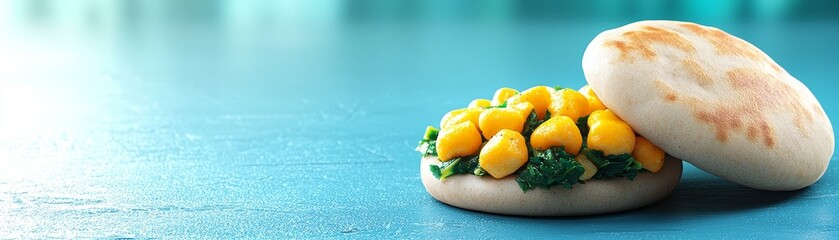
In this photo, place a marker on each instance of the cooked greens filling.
(549, 168)
(613, 166)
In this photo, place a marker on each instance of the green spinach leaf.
(428, 145)
(461, 165)
(582, 124)
(623, 165)
(549, 168)
(531, 123)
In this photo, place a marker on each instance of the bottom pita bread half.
(503, 196)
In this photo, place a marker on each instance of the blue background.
(258, 119)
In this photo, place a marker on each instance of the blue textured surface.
(166, 123)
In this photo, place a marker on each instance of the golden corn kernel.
(539, 96)
(503, 154)
(558, 131)
(524, 108)
(458, 140)
(650, 156)
(567, 102)
(591, 169)
(479, 103)
(502, 94)
(602, 115)
(492, 120)
(449, 115)
(461, 115)
(594, 102)
(609, 134)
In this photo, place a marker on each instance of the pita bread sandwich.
(659, 91)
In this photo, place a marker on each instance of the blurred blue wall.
(200, 11)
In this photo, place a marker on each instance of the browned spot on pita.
(668, 93)
(697, 72)
(728, 119)
(723, 121)
(759, 96)
(651, 34)
(767, 91)
(625, 50)
(727, 44)
(752, 133)
(768, 134)
(641, 41)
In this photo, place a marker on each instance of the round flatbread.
(713, 100)
(503, 196)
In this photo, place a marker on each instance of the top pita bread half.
(713, 100)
